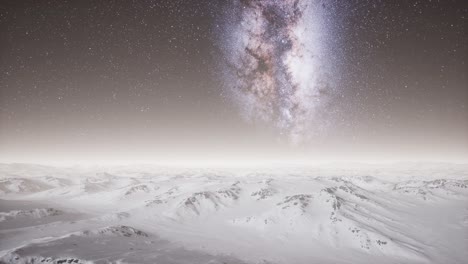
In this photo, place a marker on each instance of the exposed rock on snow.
(34, 213)
(120, 230)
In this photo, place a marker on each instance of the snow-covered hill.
(411, 213)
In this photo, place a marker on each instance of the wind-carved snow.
(302, 215)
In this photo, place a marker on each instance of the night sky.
(175, 81)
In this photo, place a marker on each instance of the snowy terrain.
(403, 213)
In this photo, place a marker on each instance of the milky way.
(277, 66)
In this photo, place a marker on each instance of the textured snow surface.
(403, 213)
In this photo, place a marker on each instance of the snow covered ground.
(401, 213)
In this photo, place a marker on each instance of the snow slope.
(404, 213)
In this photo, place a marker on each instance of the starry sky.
(179, 80)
